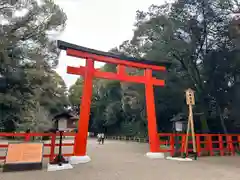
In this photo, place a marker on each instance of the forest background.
(199, 37)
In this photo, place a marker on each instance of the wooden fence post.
(230, 145)
(220, 141)
(210, 147)
(172, 144)
(27, 137)
(198, 145)
(52, 150)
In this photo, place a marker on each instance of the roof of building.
(180, 117)
(66, 114)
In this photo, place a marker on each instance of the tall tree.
(27, 56)
(200, 38)
(188, 33)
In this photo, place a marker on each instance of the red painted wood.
(198, 144)
(34, 134)
(52, 147)
(76, 53)
(172, 143)
(76, 70)
(208, 143)
(220, 141)
(121, 69)
(89, 73)
(230, 145)
(27, 137)
(3, 145)
(45, 156)
(115, 76)
(183, 142)
(81, 136)
(63, 144)
(151, 113)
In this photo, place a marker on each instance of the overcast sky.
(97, 24)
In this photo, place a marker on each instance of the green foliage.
(35, 119)
(201, 39)
(31, 92)
(75, 93)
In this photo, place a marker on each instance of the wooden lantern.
(62, 124)
(190, 97)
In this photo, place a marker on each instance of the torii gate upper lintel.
(89, 72)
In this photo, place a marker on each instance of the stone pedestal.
(155, 155)
(79, 159)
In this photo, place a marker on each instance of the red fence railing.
(207, 144)
(26, 137)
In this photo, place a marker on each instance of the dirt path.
(126, 161)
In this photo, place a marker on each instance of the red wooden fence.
(27, 137)
(207, 144)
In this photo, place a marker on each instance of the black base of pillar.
(59, 159)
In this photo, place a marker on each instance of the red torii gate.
(89, 72)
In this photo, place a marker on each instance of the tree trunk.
(223, 124)
(204, 124)
(203, 118)
(224, 127)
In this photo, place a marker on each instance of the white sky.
(97, 24)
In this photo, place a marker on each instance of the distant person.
(101, 138)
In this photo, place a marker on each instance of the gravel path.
(118, 160)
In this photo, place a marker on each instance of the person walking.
(102, 138)
(99, 138)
